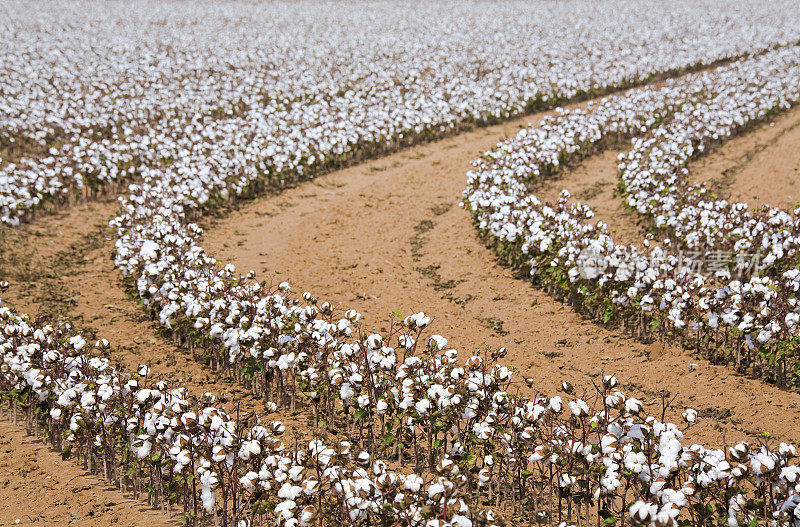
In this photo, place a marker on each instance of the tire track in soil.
(389, 234)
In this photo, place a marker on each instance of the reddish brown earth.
(38, 487)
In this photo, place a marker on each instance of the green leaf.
(359, 415)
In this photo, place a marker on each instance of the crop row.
(176, 448)
(594, 457)
(746, 316)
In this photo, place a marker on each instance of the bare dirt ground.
(389, 234)
(761, 167)
(37, 487)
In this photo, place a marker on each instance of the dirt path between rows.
(593, 182)
(60, 268)
(389, 235)
(38, 487)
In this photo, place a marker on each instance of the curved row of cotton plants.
(657, 183)
(655, 291)
(122, 78)
(155, 438)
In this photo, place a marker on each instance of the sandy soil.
(761, 167)
(389, 235)
(37, 487)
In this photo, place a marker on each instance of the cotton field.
(298, 263)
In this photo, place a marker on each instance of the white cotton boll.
(579, 408)
(182, 459)
(87, 400)
(249, 480)
(67, 398)
(374, 341)
(142, 449)
(308, 516)
(609, 443)
(458, 520)
(412, 483)
(208, 482)
(216, 330)
(143, 395)
(436, 491)
(633, 406)
(218, 453)
(642, 512)
(289, 491)
(762, 463)
(438, 342)
(249, 449)
(78, 343)
(149, 250)
(420, 320)
(346, 393)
